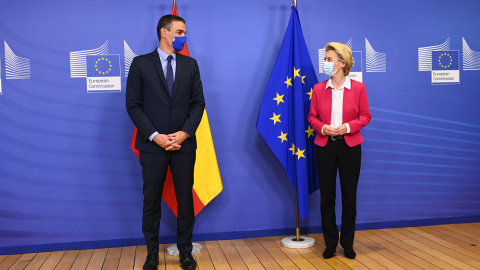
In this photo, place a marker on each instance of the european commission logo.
(375, 61)
(445, 67)
(129, 55)
(444, 63)
(16, 67)
(101, 70)
(103, 73)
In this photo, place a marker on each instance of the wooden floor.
(433, 247)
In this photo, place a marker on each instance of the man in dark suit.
(165, 102)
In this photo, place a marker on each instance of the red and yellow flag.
(208, 183)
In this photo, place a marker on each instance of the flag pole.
(298, 219)
(298, 239)
(297, 242)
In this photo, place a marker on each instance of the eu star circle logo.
(103, 65)
(445, 60)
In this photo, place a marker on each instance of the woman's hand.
(341, 130)
(330, 131)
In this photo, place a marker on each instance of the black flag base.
(298, 242)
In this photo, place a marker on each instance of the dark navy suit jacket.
(151, 108)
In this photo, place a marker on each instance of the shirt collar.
(164, 55)
(346, 84)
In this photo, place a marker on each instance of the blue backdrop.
(66, 169)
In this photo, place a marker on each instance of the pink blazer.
(355, 111)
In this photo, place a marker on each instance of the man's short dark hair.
(166, 22)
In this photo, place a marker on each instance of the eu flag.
(445, 60)
(282, 119)
(107, 65)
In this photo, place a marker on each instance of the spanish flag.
(208, 183)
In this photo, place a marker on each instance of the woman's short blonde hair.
(344, 54)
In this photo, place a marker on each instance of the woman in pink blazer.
(338, 110)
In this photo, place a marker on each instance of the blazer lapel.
(327, 101)
(348, 104)
(158, 66)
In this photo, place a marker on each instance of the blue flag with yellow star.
(282, 119)
(103, 65)
(445, 60)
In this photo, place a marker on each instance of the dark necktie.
(170, 75)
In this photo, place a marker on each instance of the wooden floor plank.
(429, 247)
(341, 262)
(445, 247)
(335, 262)
(112, 258)
(262, 254)
(418, 262)
(52, 260)
(141, 255)
(375, 255)
(162, 252)
(462, 230)
(82, 259)
(476, 225)
(67, 260)
(392, 252)
(232, 255)
(203, 258)
(9, 260)
(97, 259)
(432, 238)
(281, 258)
(398, 240)
(457, 238)
(432, 248)
(461, 246)
(471, 227)
(127, 258)
(247, 255)
(171, 262)
(22, 262)
(313, 258)
(366, 261)
(293, 254)
(37, 261)
(216, 254)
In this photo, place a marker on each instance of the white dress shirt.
(337, 103)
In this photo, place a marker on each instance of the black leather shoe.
(328, 253)
(151, 262)
(187, 261)
(350, 253)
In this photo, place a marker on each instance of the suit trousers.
(154, 170)
(338, 155)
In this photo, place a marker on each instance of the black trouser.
(337, 154)
(154, 169)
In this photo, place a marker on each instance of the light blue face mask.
(328, 68)
(178, 42)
